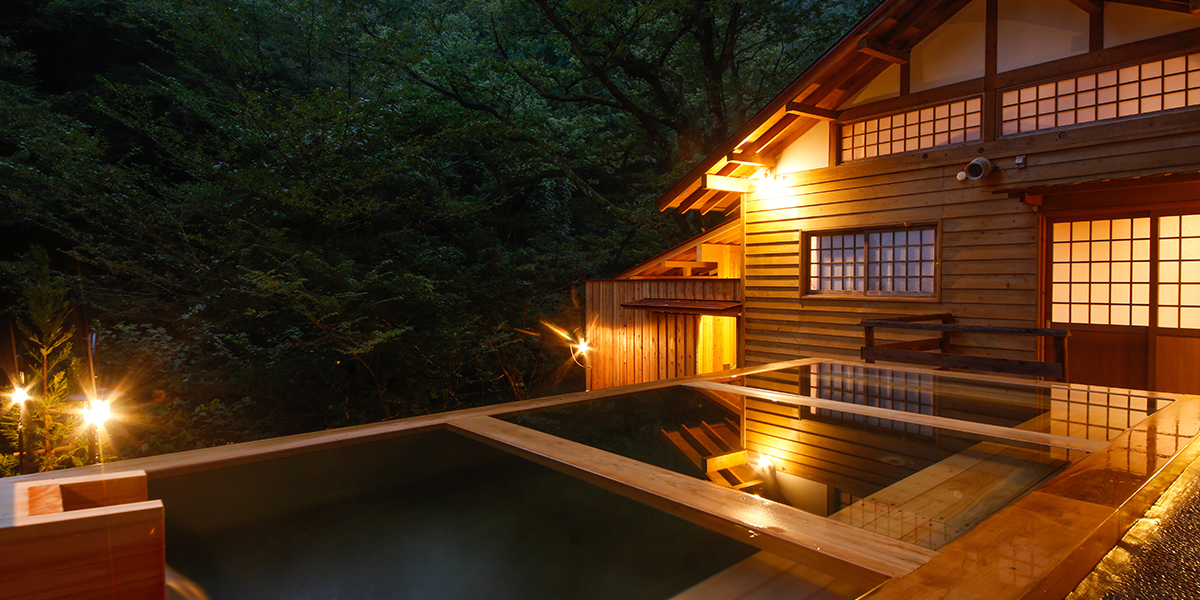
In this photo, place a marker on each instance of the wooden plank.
(776, 528)
(907, 417)
(814, 112)
(676, 440)
(725, 184)
(897, 324)
(725, 461)
(106, 552)
(699, 439)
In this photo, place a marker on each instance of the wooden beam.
(815, 112)
(750, 158)
(878, 50)
(1091, 7)
(1157, 4)
(1194, 7)
(725, 184)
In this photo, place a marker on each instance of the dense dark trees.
(293, 214)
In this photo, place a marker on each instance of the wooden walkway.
(937, 504)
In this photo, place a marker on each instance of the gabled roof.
(884, 38)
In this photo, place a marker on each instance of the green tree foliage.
(304, 213)
(54, 436)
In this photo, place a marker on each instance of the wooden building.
(1021, 163)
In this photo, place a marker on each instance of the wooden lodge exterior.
(858, 193)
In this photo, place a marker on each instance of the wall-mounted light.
(976, 169)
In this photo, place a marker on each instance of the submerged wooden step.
(716, 450)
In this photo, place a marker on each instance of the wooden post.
(1060, 355)
(869, 339)
(946, 320)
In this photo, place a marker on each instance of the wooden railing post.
(869, 339)
(1060, 354)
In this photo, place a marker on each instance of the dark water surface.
(506, 528)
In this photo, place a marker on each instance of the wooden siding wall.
(636, 346)
(989, 242)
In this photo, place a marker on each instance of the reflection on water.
(910, 481)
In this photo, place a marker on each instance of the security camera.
(976, 169)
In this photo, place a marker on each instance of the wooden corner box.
(82, 538)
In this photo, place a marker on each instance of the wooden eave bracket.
(1194, 8)
(815, 112)
(893, 55)
(725, 184)
(747, 158)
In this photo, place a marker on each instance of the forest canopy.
(272, 216)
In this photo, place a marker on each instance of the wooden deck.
(1037, 547)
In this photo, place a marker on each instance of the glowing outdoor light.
(97, 413)
(582, 348)
(20, 395)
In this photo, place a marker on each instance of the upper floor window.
(1124, 92)
(951, 123)
(873, 262)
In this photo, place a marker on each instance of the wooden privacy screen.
(636, 346)
(91, 537)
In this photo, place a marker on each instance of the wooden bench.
(918, 351)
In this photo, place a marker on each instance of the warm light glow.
(97, 413)
(582, 348)
(764, 461)
(562, 333)
(19, 395)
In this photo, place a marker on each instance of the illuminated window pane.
(878, 262)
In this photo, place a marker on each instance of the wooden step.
(676, 439)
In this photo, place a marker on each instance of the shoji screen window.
(1101, 272)
(1179, 272)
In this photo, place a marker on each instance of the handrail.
(916, 351)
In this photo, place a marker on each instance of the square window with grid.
(1179, 271)
(951, 123)
(1101, 272)
(894, 390)
(1133, 90)
(888, 262)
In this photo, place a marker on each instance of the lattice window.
(1101, 272)
(838, 262)
(886, 262)
(1179, 271)
(1133, 90)
(895, 390)
(951, 123)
